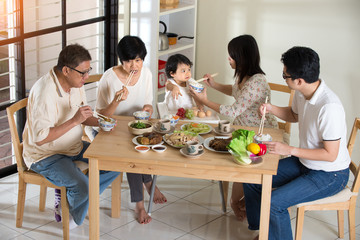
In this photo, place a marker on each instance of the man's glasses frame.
(82, 73)
(285, 76)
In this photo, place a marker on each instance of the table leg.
(223, 203)
(94, 228)
(265, 207)
(116, 197)
(152, 194)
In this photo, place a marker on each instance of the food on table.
(196, 128)
(140, 125)
(150, 139)
(262, 150)
(208, 113)
(201, 114)
(189, 114)
(181, 112)
(253, 148)
(141, 115)
(241, 138)
(195, 111)
(219, 144)
(262, 138)
(179, 138)
(142, 149)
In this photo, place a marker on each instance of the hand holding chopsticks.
(127, 83)
(261, 128)
(202, 79)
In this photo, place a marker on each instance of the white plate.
(207, 143)
(200, 140)
(210, 127)
(183, 152)
(216, 130)
(156, 129)
(150, 145)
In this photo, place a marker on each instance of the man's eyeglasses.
(82, 73)
(285, 77)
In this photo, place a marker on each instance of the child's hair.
(173, 62)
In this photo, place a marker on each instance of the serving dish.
(140, 131)
(199, 128)
(134, 140)
(207, 144)
(199, 139)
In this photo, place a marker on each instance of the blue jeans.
(294, 184)
(61, 170)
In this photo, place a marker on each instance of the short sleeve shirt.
(50, 106)
(322, 118)
(139, 95)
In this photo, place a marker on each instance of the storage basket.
(169, 4)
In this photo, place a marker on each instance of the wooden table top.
(117, 145)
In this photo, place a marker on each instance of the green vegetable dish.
(140, 125)
(240, 139)
(197, 128)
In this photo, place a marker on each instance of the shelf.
(182, 7)
(179, 46)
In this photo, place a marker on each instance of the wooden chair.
(344, 200)
(286, 126)
(27, 176)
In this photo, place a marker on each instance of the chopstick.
(202, 79)
(102, 116)
(127, 82)
(261, 128)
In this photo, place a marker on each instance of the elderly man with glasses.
(52, 135)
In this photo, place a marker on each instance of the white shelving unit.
(145, 17)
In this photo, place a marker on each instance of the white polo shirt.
(322, 118)
(49, 106)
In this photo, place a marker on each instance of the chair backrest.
(285, 89)
(353, 167)
(18, 146)
(93, 78)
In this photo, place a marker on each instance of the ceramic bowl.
(159, 148)
(198, 87)
(105, 125)
(263, 138)
(141, 115)
(142, 148)
(140, 131)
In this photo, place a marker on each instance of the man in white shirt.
(52, 134)
(319, 167)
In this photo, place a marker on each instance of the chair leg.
(121, 177)
(224, 190)
(351, 214)
(20, 202)
(299, 223)
(340, 216)
(65, 214)
(116, 197)
(42, 201)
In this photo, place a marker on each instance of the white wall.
(330, 27)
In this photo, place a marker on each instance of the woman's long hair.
(245, 52)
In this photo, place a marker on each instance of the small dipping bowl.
(105, 125)
(141, 115)
(159, 148)
(263, 138)
(142, 148)
(198, 87)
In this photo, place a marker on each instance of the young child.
(177, 94)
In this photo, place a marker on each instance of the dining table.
(114, 151)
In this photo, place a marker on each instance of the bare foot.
(158, 196)
(142, 216)
(257, 237)
(239, 209)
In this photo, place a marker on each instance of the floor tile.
(7, 233)
(225, 228)
(153, 231)
(189, 237)
(185, 215)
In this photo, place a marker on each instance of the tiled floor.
(193, 212)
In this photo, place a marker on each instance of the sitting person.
(52, 133)
(131, 52)
(177, 95)
(249, 91)
(317, 169)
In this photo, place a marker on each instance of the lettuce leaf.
(240, 139)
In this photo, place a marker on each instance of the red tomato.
(262, 149)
